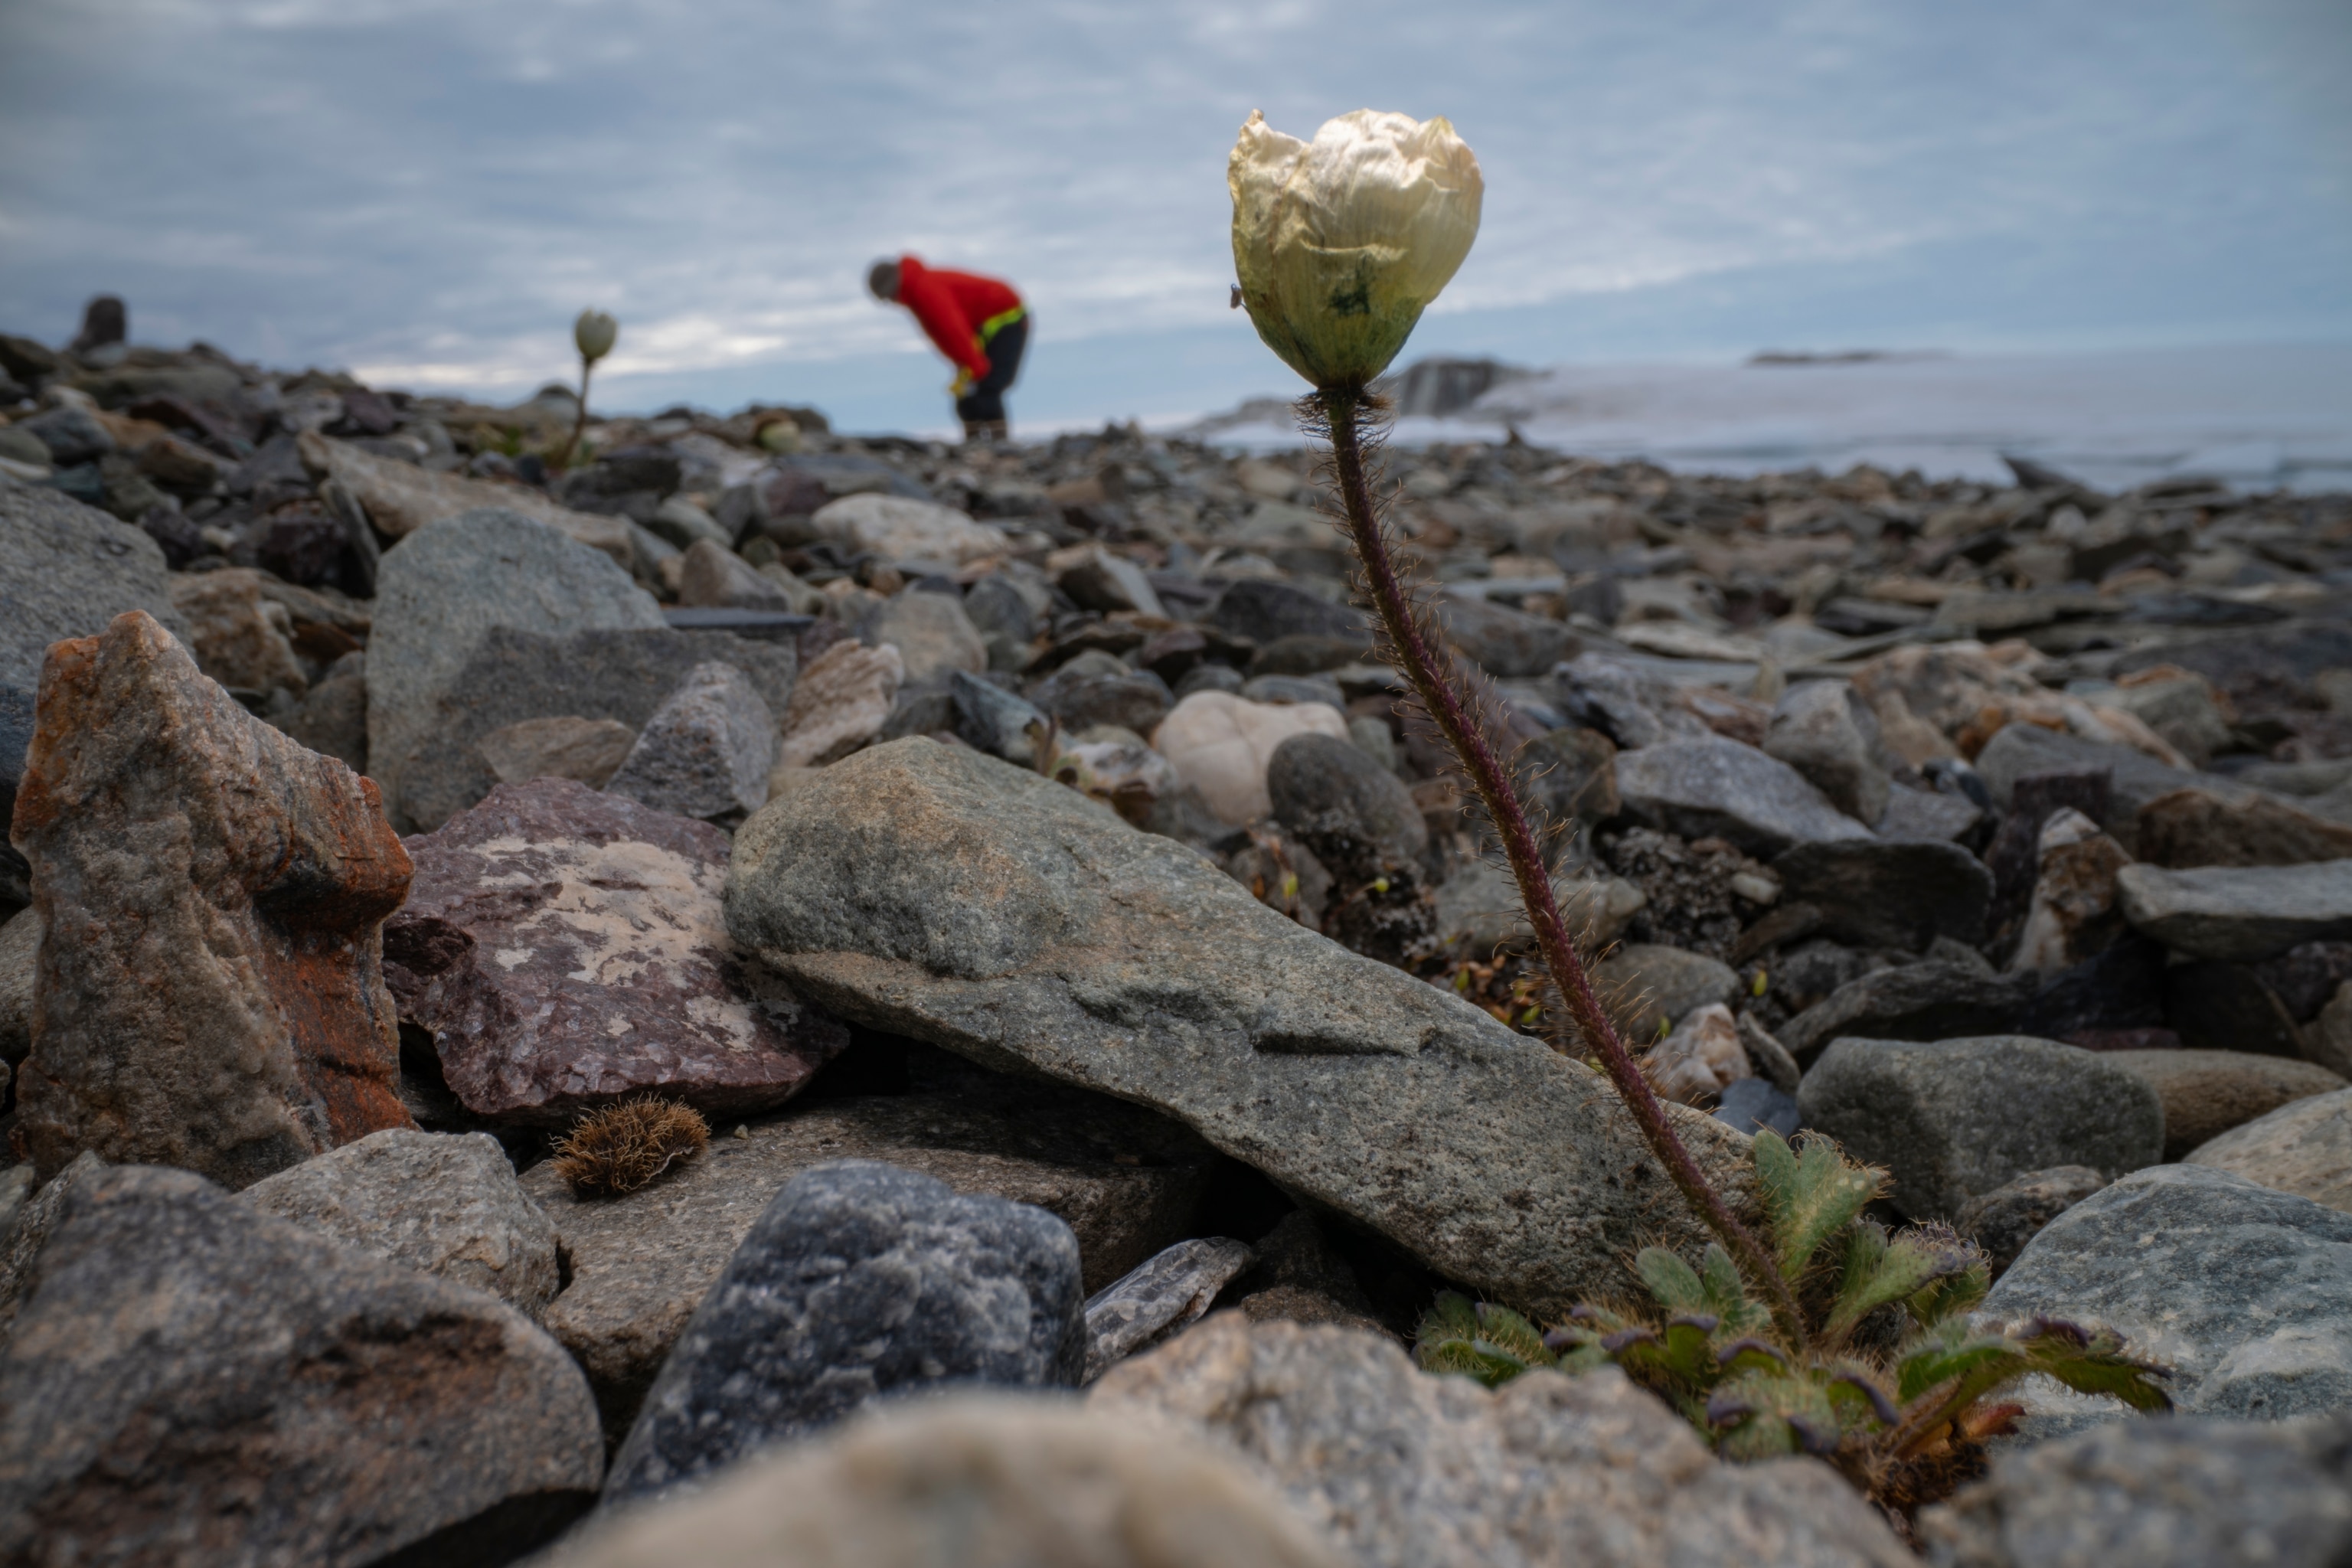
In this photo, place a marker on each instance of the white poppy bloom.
(595, 332)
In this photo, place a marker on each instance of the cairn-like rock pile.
(1021, 860)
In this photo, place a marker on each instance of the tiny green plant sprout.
(594, 334)
(1894, 1384)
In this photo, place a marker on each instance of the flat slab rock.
(2239, 914)
(192, 1380)
(565, 950)
(1707, 786)
(2304, 1147)
(1123, 1179)
(1407, 1471)
(938, 893)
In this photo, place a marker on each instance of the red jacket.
(952, 306)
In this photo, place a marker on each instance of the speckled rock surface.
(67, 570)
(707, 749)
(938, 893)
(192, 1380)
(1407, 1471)
(2206, 1093)
(2304, 1147)
(210, 989)
(859, 1279)
(438, 1204)
(1160, 1299)
(565, 950)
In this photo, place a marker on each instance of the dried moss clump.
(624, 1147)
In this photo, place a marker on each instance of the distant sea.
(2257, 417)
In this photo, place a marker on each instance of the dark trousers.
(984, 403)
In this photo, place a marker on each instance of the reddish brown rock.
(209, 991)
(566, 950)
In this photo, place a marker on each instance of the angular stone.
(2304, 1147)
(1889, 893)
(1099, 580)
(2195, 828)
(66, 570)
(840, 703)
(2020, 751)
(1826, 731)
(439, 595)
(20, 948)
(1953, 1120)
(1750, 1104)
(1940, 999)
(210, 985)
(1505, 643)
(2182, 1493)
(707, 749)
(2239, 914)
(401, 498)
(1633, 707)
(1927, 813)
(1407, 1471)
(2005, 1219)
(1126, 1182)
(859, 1280)
(1263, 611)
(1713, 788)
(2244, 1292)
(565, 950)
(2328, 1039)
(896, 528)
(711, 577)
(1159, 1299)
(2072, 915)
(935, 892)
(987, 1478)
(933, 636)
(586, 750)
(992, 719)
(441, 1204)
(1570, 774)
(1646, 985)
(2206, 1093)
(239, 637)
(1222, 744)
(191, 1381)
(331, 718)
(1479, 907)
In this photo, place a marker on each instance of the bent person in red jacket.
(979, 322)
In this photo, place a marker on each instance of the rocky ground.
(1093, 982)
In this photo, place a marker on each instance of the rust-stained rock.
(566, 950)
(209, 991)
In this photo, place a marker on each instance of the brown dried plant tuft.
(624, 1147)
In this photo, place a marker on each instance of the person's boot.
(998, 429)
(975, 430)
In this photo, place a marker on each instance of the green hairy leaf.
(1674, 1283)
(1880, 1271)
(1811, 1194)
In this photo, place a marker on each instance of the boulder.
(2196, 828)
(438, 597)
(2206, 1093)
(565, 951)
(2244, 1292)
(2020, 751)
(933, 636)
(586, 750)
(2304, 1147)
(1645, 985)
(2005, 1219)
(1709, 787)
(707, 749)
(191, 1381)
(1125, 1180)
(931, 892)
(897, 528)
(401, 498)
(209, 988)
(331, 718)
(2239, 913)
(1160, 1299)
(971, 1479)
(1407, 1471)
(1952, 1120)
(859, 1280)
(840, 703)
(1222, 744)
(1364, 828)
(1826, 731)
(439, 1204)
(1878, 892)
(2188, 1492)
(66, 570)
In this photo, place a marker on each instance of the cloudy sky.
(426, 192)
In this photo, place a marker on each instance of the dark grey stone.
(1361, 822)
(1160, 1299)
(189, 1380)
(2239, 914)
(2005, 1219)
(72, 434)
(1707, 786)
(2182, 1493)
(1890, 893)
(1136, 701)
(1505, 643)
(1295, 689)
(859, 1280)
(706, 750)
(1752, 1104)
(2020, 751)
(1945, 998)
(1952, 1120)
(1208, 678)
(999, 608)
(2246, 1293)
(1824, 731)
(992, 719)
(1263, 611)
(67, 570)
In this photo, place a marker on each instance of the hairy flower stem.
(579, 420)
(1455, 714)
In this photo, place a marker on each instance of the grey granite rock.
(707, 749)
(934, 892)
(1359, 820)
(1263, 611)
(1750, 1104)
(440, 1205)
(1407, 1471)
(2184, 1493)
(1646, 985)
(191, 1381)
(860, 1280)
(2206, 1093)
(1953, 1120)
(2020, 751)
(992, 719)
(2239, 913)
(1125, 1180)
(933, 636)
(2304, 1147)
(1877, 893)
(2005, 1219)
(1161, 1298)
(1710, 787)
(1506, 643)
(2244, 1292)
(438, 595)
(20, 946)
(1826, 731)
(67, 570)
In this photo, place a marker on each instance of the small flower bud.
(594, 332)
